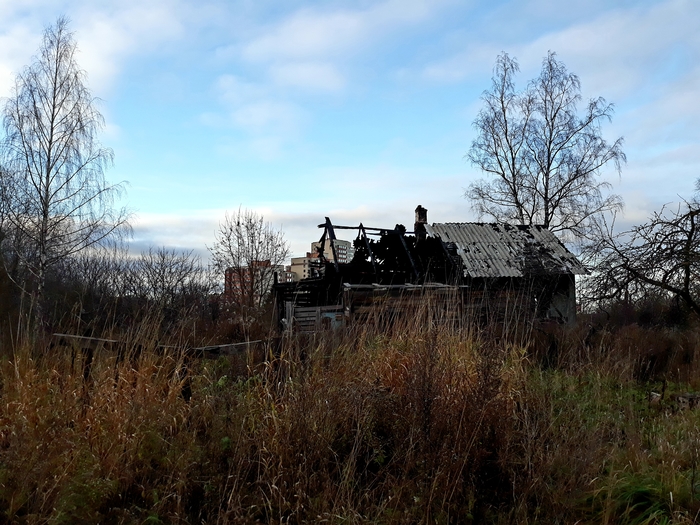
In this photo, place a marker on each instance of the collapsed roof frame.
(362, 233)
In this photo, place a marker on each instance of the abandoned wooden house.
(483, 270)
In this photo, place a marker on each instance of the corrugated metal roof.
(505, 250)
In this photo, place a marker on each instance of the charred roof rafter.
(363, 233)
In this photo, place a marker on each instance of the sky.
(356, 110)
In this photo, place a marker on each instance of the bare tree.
(248, 251)
(98, 273)
(168, 278)
(661, 256)
(54, 190)
(86, 287)
(543, 160)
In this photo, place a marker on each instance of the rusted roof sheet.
(505, 250)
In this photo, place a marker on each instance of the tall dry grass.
(419, 421)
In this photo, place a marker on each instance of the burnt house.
(484, 270)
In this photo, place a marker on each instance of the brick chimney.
(421, 221)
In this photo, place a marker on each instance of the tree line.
(63, 233)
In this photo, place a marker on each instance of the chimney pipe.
(421, 221)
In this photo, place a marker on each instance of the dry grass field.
(422, 422)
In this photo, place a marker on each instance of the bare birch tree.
(543, 160)
(54, 190)
(248, 251)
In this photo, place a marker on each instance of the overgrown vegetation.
(420, 422)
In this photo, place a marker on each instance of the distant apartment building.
(287, 275)
(305, 267)
(251, 284)
(310, 265)
(344, 250)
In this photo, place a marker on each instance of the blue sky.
(359, 110)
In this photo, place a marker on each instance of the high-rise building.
(343, 249)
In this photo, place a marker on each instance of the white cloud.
(108, 38)
(613, 52)
(111, 131)
(312, 47)
(317, 33)
(253, 108)
(475, 59)
(262, 147)
(269, 121)
(234, 91)
(17, 44)
(619, 51)
(180, 229)
(314, 76)
(107, 33)
(309, 50)
(307, 34)
(266, 115)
